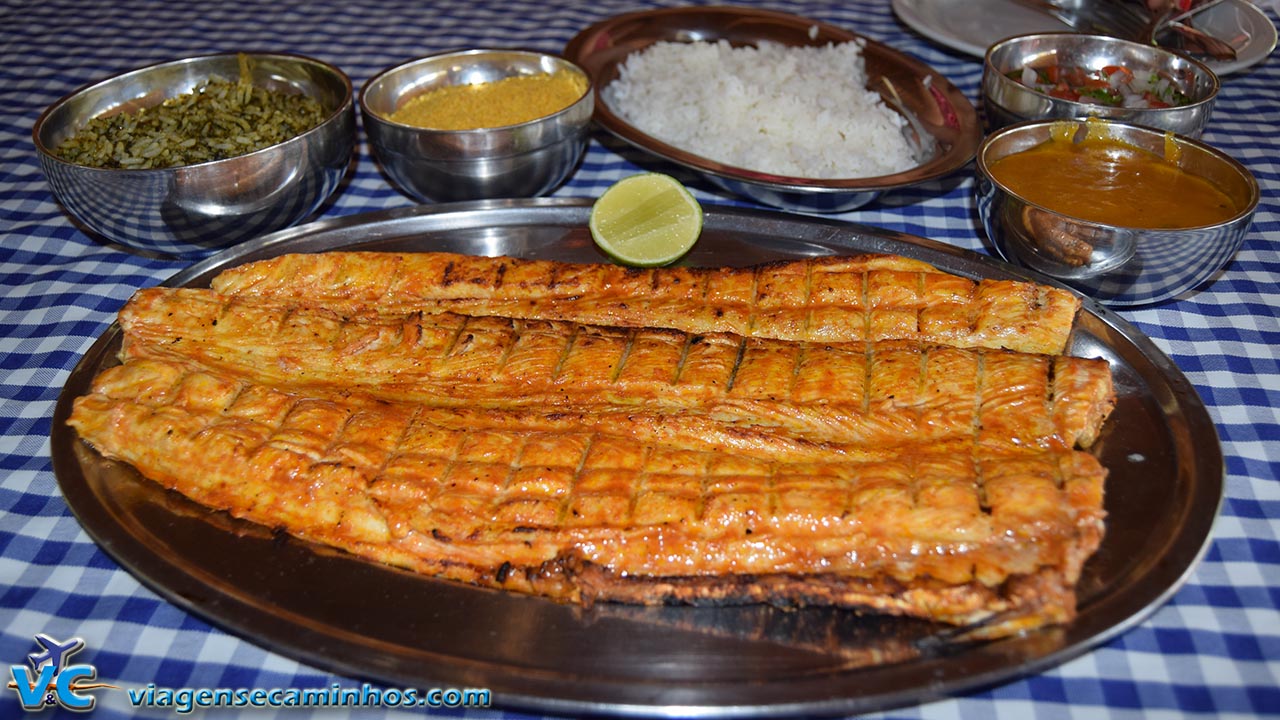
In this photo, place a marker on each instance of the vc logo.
(50, 680)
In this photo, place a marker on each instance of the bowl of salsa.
(1047, 76)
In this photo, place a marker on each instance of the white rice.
(795, 111)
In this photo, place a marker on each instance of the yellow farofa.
(508, 101)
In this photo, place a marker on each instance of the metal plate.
(368, 621)
(934, 107)
(971, 26)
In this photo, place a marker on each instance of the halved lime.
(646, 220)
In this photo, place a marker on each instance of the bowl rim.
(587, 93)
(989, 70)
(347, 104)
(1247, 211)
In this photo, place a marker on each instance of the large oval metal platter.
(372, 622)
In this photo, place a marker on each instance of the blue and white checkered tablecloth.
(1212, 651)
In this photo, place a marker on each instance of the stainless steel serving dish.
(524, 160)
(1006, 101)
(1119, 266)
(943, 123)
(370, 621)
(193, 210)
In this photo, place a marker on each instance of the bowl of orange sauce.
(1127, 214)
(478, 124)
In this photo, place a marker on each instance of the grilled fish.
(826, 299)
(949, 533)
(857, 432)
(881, 394)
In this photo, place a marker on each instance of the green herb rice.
(218, 120)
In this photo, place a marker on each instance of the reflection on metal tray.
(368, 621)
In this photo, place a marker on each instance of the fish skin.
(882, 394)
(580, 516)
(824, 299)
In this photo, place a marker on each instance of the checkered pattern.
(1212, 651)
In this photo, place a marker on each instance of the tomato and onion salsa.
(1113, 86)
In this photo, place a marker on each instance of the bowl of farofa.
(1044, 76)
(784, 110)
(477, 124)
(186, 157)
(1129, 215)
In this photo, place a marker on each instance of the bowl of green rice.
(187, 157)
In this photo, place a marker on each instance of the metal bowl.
(1006, 101)
(193, 210)
(942, 123)
(524, 160)
(1119, 266)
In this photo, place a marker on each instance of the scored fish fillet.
(946, 532)
(886, 393)
(863, 432)
(825, 299)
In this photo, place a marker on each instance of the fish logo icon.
(51, 679)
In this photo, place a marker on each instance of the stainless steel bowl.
(1006, 101)
(941, 122)
(524, 160)
(1119, 266)
(193, 210)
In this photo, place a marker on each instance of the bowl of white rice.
(780, 109)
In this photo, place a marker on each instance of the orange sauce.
(509, 101)
(1100, 179)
